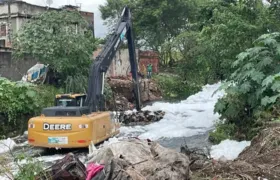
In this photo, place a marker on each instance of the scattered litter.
(110, 141)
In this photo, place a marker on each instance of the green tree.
(111, 11)
(155, 22)
(58, 38)
(253, 89)
(232, 27)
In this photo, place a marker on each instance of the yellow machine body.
(72, 132)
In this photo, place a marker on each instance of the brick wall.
(148, 57)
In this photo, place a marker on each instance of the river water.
(186, 122)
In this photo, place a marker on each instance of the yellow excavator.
(78, 120)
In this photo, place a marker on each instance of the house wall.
(14, 70)
(121, 64)
(22, 11)
(122, 67)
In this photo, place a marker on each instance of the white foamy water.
(7, 145)
(228, 149)
(187, 118)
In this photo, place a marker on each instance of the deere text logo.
(47, 126)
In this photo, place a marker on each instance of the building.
(120, 65)
(21, 11)
(148, 57)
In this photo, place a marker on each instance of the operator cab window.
(65, 113)
(66, 102)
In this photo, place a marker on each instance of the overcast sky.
(87, 5)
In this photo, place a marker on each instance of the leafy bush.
(222, 132)
(174, 88)
(76, 84)
(29, 169)
(253, 89)
(26, 166)
(19, 101)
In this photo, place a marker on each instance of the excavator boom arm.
(95, 94)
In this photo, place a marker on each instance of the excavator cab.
(70, 100)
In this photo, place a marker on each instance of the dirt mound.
(258, 161)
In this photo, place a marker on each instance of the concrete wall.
(120, 65)
(22, 11)
(21, 8)
(14, 70)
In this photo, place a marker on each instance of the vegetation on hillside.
(20, 101)
(252, 91)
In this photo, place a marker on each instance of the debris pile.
(123, 87)
(135, 159)
(258, 161)
(129, 159)
(131, 118)
(119, 103)
(68, 168)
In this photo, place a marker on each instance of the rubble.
(140, 159)
(129, 159)
(123, 87)
(68, 168)
(120, 103)
(141, 117)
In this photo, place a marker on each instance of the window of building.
(2, 30)
(2, 43)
